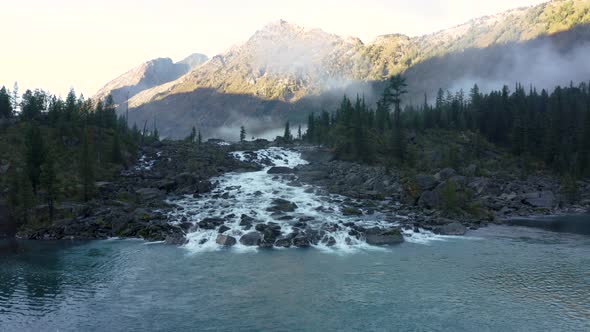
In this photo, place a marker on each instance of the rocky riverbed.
(256, 195)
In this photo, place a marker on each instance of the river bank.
(179, 193)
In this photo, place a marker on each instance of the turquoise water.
(495, 279)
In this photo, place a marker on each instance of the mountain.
(284, 68)
(148, 75)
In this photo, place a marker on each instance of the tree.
(199, 138)
(396, 89)
(287, 135)
(299, 135)
(49, 183)
(116, 156)
(34, 155)
(15, 103)
(242, 134)
(6, 110)
(87, 166)
(193, 135)
(32, 104)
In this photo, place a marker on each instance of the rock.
(426, 182)
(445, 174)
(202, 187)
(378, 237)
(470, 170)
(210, 223)
(176, 239)
(541, 199)
(223, 229)
(283, 241)
(429, 200)
(225, 240)
(246, 220)
(454, 228)
(350, 211)
(251, 239)
(301, 241)
(149, 194)
(282, 205)
(280, 170)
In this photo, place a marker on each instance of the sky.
(59, 44)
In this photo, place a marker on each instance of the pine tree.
(397, 88)
(15, 97)
(116, 155)
(242, 134)
(27, 199)
(34, 155)
(192, 136)
(299, 136)
(6, 110)
(49, 183)
(199, 138)
(87, 166)
(287, 135)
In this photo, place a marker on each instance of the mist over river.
(498, 278)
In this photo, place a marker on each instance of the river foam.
(252, 193)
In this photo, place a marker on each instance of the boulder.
(223, 229)
(429, 200)
(378, 237)
(301, 240)
(210, 223)
(445, 174)
(280, 170)
(350, 211)
(251, 239)
(149, 194)
(225, 240)
(426, 182)
(454, 228)
(282, 205)
(541, 199)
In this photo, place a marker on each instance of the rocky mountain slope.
(284, 67)
(149, 74)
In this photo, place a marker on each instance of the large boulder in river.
(251, 239)
(282, 205)
(378, 237)
(210, 223)
(280, 170)
(541, 199)
(454, 228)
(225, 240)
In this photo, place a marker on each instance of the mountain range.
(286, 71)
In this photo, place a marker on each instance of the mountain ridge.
(286, 62)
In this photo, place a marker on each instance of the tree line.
(552, 127)
(58, 148)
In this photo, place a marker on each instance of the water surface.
(495, 279)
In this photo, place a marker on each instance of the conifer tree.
(199, 138)
(34, 155)
(287, 135)
(242, 134)
(87, 166)
(116, 155)
(6, 110)
(49, 182)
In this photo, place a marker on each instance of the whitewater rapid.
(252, 193)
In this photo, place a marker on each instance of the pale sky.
(58, 44)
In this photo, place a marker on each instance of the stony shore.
(136, 204)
